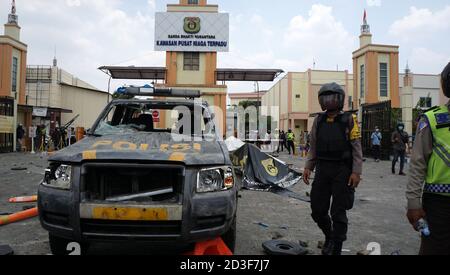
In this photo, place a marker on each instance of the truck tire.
(229, 238)
(60, 246)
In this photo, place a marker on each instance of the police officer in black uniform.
(336, 154)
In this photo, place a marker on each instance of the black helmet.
(331, 97)
(445, 80)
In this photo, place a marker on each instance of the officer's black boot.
(337, 248)
(327, 249)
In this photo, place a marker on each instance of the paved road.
(378, 216)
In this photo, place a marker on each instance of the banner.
(192, 32)
(263, 172)
(6, 125)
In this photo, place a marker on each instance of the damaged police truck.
(132, 180)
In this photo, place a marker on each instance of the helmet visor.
(331, 102)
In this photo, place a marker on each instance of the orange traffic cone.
(19, 216)
(23, 199)
(214, 247)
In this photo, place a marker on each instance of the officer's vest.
(332, 142)
(438, 177)
(290, 136)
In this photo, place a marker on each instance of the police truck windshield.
(129, 118)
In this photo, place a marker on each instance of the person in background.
(282, 144)
(20, 134)
(376, 139)
(400, 141)
(290, 136)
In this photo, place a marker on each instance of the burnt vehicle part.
(139, 184)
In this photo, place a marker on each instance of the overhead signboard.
(6, 125)
(40, 112)
(192, 32)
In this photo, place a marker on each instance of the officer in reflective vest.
(290, 141)
(336, 154)
(428, 190)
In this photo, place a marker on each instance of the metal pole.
(258, 105)
(109, 87)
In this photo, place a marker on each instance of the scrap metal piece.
(140, 195)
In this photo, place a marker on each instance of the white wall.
(424, 85)
(88, 104)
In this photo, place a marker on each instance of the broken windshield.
(133, 118)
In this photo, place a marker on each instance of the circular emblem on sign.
(270, 167)
(192, 25)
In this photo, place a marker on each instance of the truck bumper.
(199, 217)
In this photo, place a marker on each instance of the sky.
(284, 34)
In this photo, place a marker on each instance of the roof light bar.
(162, 92)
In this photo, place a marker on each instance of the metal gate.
(381, 115)
(6, 125)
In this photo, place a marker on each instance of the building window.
(383, 79)
(362, 81)
(191, 61)
(426, 102)
(297, 96)
(192, 2)
(14, 74)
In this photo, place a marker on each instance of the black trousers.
(281, 146)
(437, 208)
(377, 152)
(291, 147)
(399, 154)
(331, 183)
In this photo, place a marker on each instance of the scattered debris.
(303, 244)
(19, 169)
(320, 244)
(289, 194)
(277, 236)
(283, 248)
(6, 250)
(366, 199)
(396, 253)
(364, 253)
(284, 227)
(262, 224)
(346, 250)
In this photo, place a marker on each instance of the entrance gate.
(381, 115)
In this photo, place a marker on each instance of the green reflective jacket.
(438, 177)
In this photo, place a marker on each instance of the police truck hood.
(155, 147)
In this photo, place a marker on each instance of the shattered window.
(134, 118)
